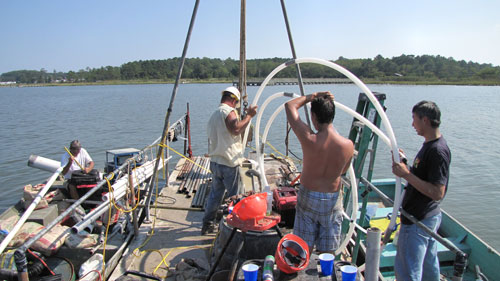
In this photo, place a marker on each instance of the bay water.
(42, 120)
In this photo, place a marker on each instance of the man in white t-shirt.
(69, 162)
(226, 152)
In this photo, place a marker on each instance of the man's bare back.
(326, 154)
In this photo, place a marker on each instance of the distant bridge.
(294, 81)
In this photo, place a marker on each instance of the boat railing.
(460, 262)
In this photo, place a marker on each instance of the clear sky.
(73, 35)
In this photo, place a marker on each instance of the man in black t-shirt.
(416, 257)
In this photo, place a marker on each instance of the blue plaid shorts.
(318, 219)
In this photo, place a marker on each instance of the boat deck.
(176, 227)
(175, 235)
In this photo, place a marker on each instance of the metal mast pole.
(243, 61)
(299, 74)
(169, 110)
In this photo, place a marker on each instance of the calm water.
(42, 121)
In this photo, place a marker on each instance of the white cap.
(233, 90)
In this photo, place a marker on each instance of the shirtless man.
(326, 156)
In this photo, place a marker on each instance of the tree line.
(404, 68)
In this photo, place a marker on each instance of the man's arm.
(301, 130)
(237, 127)
(433, 191)
(89, 167)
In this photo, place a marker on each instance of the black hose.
(33, 264)
(8, 274)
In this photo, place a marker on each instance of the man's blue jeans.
(223, 178)
(416, 257)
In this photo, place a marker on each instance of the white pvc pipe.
(90, 217)
(259, 117)
(365, 121)
(119, 188)
(372, 254)
(260, 156)
(259, 92)
(96, 209)
(270, 122)
(354, 213)
(43, 163)
(30, 209)
(374, 101)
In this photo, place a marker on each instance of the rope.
(297, 160)
(158, 266)
(181, 248)
(106, 240)
(93, 270)
(187, 158)
(113, 202)
(284, 156)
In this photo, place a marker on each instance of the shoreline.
(223, 81)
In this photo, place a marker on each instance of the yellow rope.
(179, 248)
(138, 187)
(284, 156)
(213, 243)
(106, 239)
(163, 260)
(113, 202)
(163, 159)
(163, 154)
(158, 266)
(273, 148)
(187, 158)
(67, 150)
(111, 194)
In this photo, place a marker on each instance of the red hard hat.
(251, 207)
(292, 254)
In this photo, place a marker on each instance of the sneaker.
(207, 228)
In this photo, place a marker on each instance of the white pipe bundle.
(139, 174)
